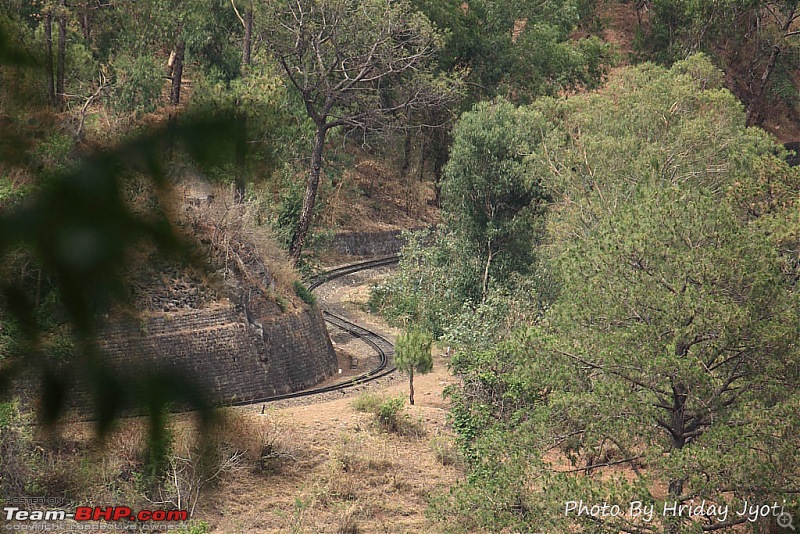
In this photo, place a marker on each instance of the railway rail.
(333, 274)
(382, 346)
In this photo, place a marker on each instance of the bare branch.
(238, 15)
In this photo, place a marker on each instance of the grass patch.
(390, 414)
(368, 403)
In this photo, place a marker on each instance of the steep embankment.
(236, 328)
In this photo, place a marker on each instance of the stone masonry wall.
(232, 359)
(383, 243)
(368, 243)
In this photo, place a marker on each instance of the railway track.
(333, 274)
(382, 346)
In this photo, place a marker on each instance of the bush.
(389, 415)
(303, 292)
(368, 403)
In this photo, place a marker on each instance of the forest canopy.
(662, 365)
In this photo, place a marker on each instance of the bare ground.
(344, 473)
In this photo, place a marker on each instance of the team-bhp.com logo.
(95, 513)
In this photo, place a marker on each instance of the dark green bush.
(303, 292)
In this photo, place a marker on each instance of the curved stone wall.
(233, 359)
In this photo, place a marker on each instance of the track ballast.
(382, 346)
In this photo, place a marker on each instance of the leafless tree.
(356, 64)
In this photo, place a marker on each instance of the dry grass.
(313, 468)
(372, 196)
(352, 477)
(240, 247)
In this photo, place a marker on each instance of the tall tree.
(48, 56)
(489, 195)
(62, 51)
(247, 39)
(354, 65)
(668, 360)
(757, 41)
(783, 42)
(517, 49)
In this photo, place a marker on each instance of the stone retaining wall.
(232, 359)
(368, 243)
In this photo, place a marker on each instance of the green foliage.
(10, 193)
(158, 453)
(368, 403)
(519, 49)
(389, 413)
(752, 39)
(783, 86)
(259, 101)
(281, 301)
(490, 197)
(493, 204)
(138, 82)
(412, 352)
(302, 291)
(668, 349)
(55, 152)
(425, 292)
(309, 40)
(20, 462)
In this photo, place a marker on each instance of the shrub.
(389, 414)
(303, 292)
(368, 403)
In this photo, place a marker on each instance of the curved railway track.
(382, 346)
(333, 274)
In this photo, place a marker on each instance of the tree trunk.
(48, 56)
(679, 398)
(407, 146)
(439, 153)
(241, 160)
(411, 386)
(247, 43)
(170, 65)
(753, 114)
(489, 257)
(62, 53)
(299, 237)
(177, 74)
(86, 24)
(672, 523)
